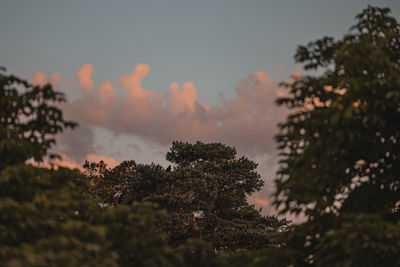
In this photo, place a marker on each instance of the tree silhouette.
(29, 119)
(205, 195)
(340, 147)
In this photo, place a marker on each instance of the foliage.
(125, 183)
(46, 219)
(341, 147)
(136, 237)
(29, 119)
(205, 195)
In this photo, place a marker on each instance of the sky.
(140, 74)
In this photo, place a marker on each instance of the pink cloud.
(132, 83)
(87, 109)
(40, 79)
(185, 100)
(247, 120)
(68, 162)
(65, 162)
(281, 94)
(106, 93)
(296, 74)
(84, 75)
(261, 201)
(262, 76)
(110, 161)
(54, 80)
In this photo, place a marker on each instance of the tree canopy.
(340, 147)
(46, 219)
(205, 195)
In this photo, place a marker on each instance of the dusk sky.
(140, 74)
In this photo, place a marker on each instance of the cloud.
(65, 162)
(76, 143)
(184, 100)
(296, 74)
(247, 120)
(54, 80)
(111, 162)
(40, 79)
(261, 201)
(68, 162)
(106, 93)
(84, 75)
(132, 82)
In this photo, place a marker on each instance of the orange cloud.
(84, 75)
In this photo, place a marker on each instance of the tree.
(205, 195)
(47, 219)
(340, 147)
(208, 189)
(125, 183)
(29, 119)
(135, 235)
